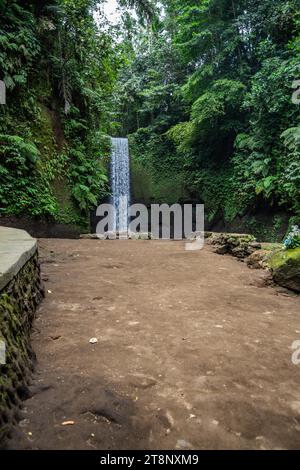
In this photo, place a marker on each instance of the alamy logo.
(2, 352)
(2, 92)
(296, 353)
(160, 222)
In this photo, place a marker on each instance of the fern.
(291, 138)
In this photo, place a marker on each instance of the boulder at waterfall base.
(285, 267)
(239, 245)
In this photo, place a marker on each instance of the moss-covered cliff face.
(50, 138)
(150, 189)
(18, 303)
(60, 177)
(160, 175)
(160, 181)
(171, 185)
(53, 127)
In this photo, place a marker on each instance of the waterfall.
(120, 183)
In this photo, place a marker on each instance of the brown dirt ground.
(193, 352)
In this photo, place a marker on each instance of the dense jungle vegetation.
(203, 89)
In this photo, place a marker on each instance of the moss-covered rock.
(238, 245)
(271, 247)
(285, 267)
(258, 259)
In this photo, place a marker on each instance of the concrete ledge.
(16, 248)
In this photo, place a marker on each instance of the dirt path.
(192, 352)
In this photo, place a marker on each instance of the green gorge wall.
(59, 68)
(171, 185)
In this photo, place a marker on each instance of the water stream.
(120, 183)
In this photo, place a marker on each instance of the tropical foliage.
(211, 98)
(59, 68)
(203, 88)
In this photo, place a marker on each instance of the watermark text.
(161, 222)
(2, 92)
(2, 352)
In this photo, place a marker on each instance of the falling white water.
(120, 183)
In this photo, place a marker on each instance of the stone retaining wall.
(20, 293)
